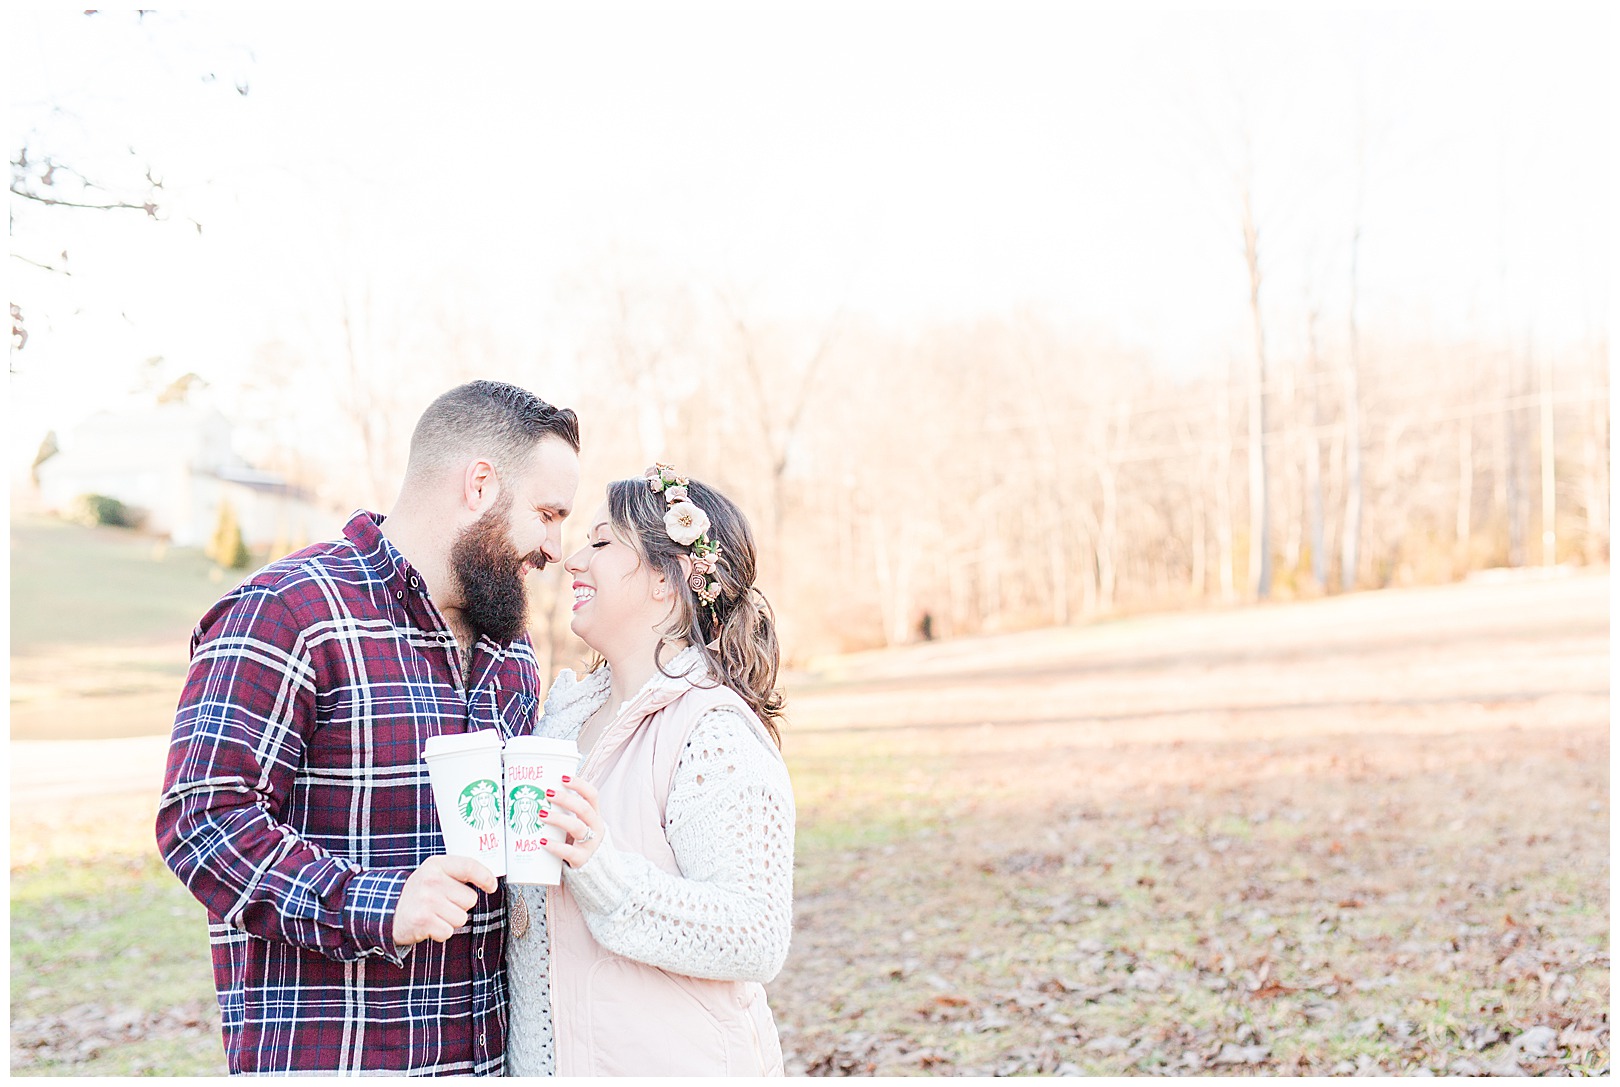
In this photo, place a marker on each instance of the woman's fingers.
(569, 799)
(586, 790)
(571, 811)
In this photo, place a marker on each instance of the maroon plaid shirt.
(296, 803)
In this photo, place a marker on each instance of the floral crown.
(688, 526)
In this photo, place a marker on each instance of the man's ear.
(480, 486)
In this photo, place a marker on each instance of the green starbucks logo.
(524, 817)
(481, 805)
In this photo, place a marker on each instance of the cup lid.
(541, 745)
(485, 739)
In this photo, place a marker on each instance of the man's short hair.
(489, 419)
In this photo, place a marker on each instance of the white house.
(175, 464)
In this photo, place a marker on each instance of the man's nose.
(551, 547)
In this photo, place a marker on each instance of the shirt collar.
(398, 576)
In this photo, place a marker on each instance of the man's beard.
(490, 572)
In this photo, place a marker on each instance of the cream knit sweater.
(730, 824)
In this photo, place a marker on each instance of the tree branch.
(117, 205)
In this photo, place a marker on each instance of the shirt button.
(413, 583)
(399, 595)
(479, 954)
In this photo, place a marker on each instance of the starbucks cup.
(466, 774)
(533, 765)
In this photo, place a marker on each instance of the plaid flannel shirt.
(296, 803)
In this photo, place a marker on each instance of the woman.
(677, 892)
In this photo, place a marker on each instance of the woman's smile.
(583, 594)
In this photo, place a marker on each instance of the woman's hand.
(574, 809)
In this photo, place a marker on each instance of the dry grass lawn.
(1362, 834)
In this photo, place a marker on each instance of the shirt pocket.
(514, 713)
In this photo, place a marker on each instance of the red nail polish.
(544, 813)
(566, 779)
(550, 793)
(542, 841)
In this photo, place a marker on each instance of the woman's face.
(618, 599)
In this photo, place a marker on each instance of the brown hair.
(745, 656)
(486, 419)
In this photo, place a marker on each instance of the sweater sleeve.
(730, 821)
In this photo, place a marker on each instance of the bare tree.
(120, 180)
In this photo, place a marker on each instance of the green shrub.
(100, 509)
(227, 548)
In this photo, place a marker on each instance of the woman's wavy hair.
(738, 636)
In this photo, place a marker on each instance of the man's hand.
(437, 897)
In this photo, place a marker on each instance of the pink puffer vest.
(613, 1016)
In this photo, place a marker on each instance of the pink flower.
(685, 523)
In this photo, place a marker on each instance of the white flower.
(685, 522)
(668, 474)
(675, 494)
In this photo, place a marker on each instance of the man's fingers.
(461, 895)
(468, 870)
(453, 917)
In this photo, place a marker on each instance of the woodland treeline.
(1006, 474)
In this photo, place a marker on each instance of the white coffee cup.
(533, 765)
(466, 773)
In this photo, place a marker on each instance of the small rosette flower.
(696, 582)
(685, 523)
(675, 494)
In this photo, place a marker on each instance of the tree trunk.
(1223, 491)
(1465, 488)
(1259, 497)
(1352, 434)
(1313, 468)
(1510, 446)
(1596, 450)
(1200, 545)
(1549, 484)
(1106, 475)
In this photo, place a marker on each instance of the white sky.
(903, 164)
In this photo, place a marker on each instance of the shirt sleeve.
(730, 823)
(239, 737)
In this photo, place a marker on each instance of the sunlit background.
(959, 306)
(1037, 344)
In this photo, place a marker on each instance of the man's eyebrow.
(559, 508)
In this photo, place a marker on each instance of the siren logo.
(481, 805)
(524, 805)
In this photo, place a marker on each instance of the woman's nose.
(576, 563)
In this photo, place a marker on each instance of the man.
(296, 806)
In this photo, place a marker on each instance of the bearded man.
(296, 806)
